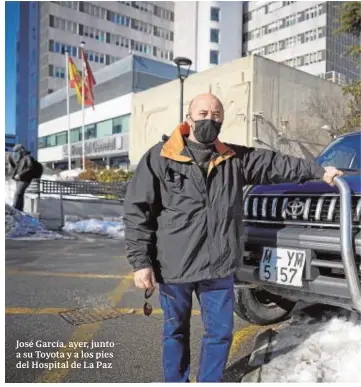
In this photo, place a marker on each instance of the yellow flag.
(75, 79)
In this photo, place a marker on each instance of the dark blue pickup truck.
(303, 241)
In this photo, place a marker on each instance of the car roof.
(350, 134)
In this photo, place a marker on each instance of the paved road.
(44, 278)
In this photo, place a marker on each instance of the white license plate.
(282, 266)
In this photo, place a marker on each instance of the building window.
(162, 33)
(104, 128)
(215, 14)
(75, 135)
(118, 19)
(92, 9)
(90, 131)
(62, 138)
(121, 124)
(214, 35)
(214, 57)
(59, 72)
(98, 130)
(51, 140)
(41, 142)
(141, 26)
(119, 162)
(67, 4)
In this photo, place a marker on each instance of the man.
(23, 167)
(183, 217)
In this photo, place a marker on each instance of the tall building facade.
(111, 31)
(208, 32)
(106, 128)
(27, 71)
(300, 34)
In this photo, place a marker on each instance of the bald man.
(183, 228)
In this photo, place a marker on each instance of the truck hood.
(310, 187)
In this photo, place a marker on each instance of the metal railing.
(348, 257)
(114, 190)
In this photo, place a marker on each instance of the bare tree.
(323, 109)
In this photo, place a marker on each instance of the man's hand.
(145, 278)
(330, 174)
(16, 177)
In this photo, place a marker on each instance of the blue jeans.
(216, 299)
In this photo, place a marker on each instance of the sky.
(11, 28)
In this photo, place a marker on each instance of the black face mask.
(206, 131)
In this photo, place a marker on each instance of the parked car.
(303, 241)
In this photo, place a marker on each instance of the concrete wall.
(246, 87)
(156, 112)
(283, 93)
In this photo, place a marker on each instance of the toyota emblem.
(295, 208)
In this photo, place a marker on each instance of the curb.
(76, 218)
(261, 354)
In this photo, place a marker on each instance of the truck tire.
(260, 307)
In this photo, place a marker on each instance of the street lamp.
(182, 75)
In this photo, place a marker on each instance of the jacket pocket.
(174, 180)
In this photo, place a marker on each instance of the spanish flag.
(75, 79)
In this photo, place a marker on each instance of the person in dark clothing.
(183, 215)
(22, 174)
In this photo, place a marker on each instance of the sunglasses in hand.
(147, 307)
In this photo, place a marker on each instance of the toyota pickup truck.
(303, 241)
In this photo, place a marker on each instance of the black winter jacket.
(23, 167)
(189, 229)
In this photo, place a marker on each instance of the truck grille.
(304, 210)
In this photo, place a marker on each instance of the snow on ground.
(19, 225)
(69, 175)
(111, 229)
(308, 351)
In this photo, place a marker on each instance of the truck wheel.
(260, 307)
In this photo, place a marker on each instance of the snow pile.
(20, 225)
(316, 352)
(111, 229)
(69, 175)
(10, 186)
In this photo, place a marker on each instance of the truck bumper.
(325, 245)
(324, 240)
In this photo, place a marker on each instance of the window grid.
(65, 25)
(67, 4)
(73, 51)
(309, 13)
(94, 33)
(290, 42)
(93, 131)
(119, 41)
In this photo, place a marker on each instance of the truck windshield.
(342, 153)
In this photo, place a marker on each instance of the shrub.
(88, 174)
(113, 175)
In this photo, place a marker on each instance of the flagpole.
(82, 104)
(68, 105)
